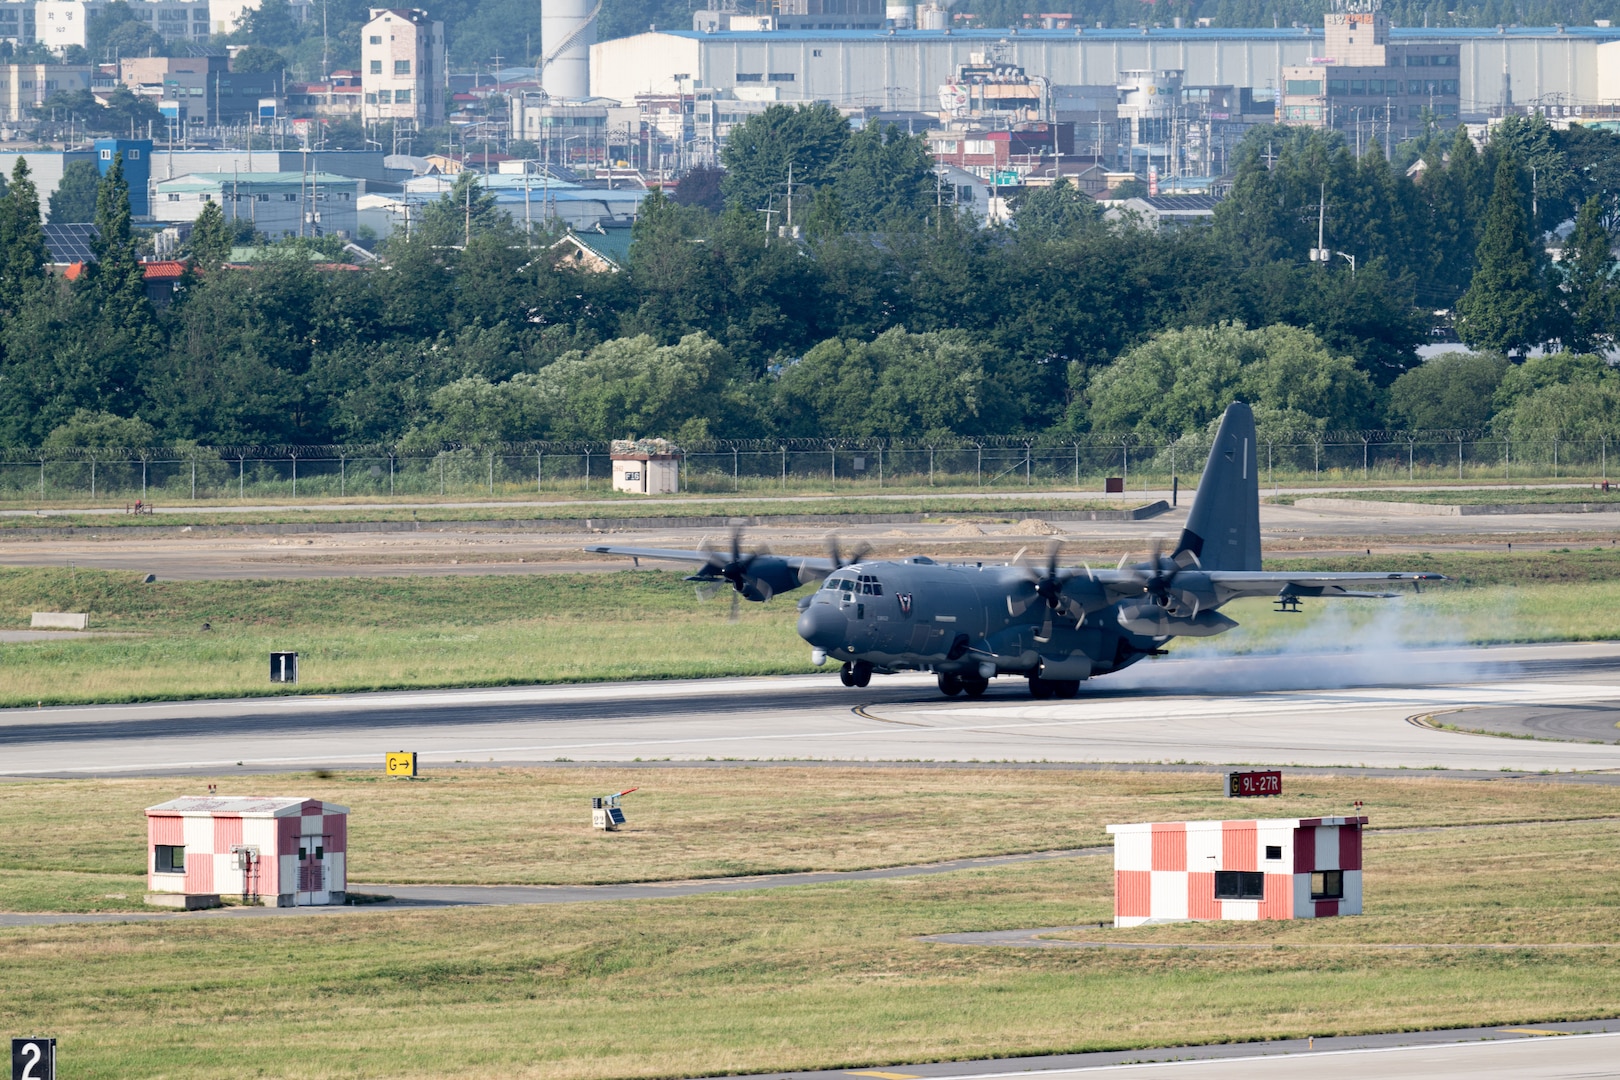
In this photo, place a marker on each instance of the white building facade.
(402, 67)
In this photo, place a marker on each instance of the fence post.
(441, 474)
(193, 477)
(42, 479)
(880, 465)
(1459, 457)
(390, 473)
(832, 456)
(930, 466)
(295, 475)
(1317, 443)
(1029, 452)
(92, 477)
(1125, 472)
(343, 476)
(1605, 447)
(1507, 470)
(1271, 469)
(784, 468)
(735, 483)
(587, 468)
(1365, 445)
(1077, 465)
(539, 456)
(1555, 457)
(980, 467)
(1411, 453)
(241, 476)
(143, 480)
(492, 472)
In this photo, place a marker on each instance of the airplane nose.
(822, 626)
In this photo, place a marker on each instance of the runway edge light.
(400, 763)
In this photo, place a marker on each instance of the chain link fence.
(313, 473)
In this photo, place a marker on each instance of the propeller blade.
(735, 597)
(708, 592)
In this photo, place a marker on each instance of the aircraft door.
(312, 870)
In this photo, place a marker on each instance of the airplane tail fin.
(1223, 528)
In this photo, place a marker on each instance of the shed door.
(312, 870)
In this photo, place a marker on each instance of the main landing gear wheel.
(950, 685)
(846, 675)
(857, 674)
(973, 687)
(1053, 688)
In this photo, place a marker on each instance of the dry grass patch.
(532, 825)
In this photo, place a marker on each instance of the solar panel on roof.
(73, 243)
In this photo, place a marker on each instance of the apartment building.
(402, 66)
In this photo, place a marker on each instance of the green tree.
(701, 187)
(1055, 212)
(116, 31)
(22, 241)
(760, 151)
(1505, 307)
(96, 430)
(211, 237)
(1129, 189)
(899, 384)
(885, 179)
(1452, 391)
(1531, 141)
(1589, 294)
(74, 200)
(465, 211)
(1178, 381)
(270, 24)
(256, 59)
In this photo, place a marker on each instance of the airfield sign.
(1245, 785)
(33, 1059)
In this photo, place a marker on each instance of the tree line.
(891, 316)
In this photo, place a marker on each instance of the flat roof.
(1398, 34)
(204, 181)
(242, 806)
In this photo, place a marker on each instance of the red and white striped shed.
(293, 849)
(1283, 868)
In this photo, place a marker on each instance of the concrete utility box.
(646, 467)
(1287, 868)
(288, 851)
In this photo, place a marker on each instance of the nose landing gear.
(1053, 688)
(857, 674)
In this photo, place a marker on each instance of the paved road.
(1326, 710)
(1578, 1050)
(1590, 722)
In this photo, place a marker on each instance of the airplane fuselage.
(955, 618)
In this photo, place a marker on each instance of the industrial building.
(46, 167)
(1361, 77)
(1288, 868)
(904, 69)
(286, 852)
(278, 204)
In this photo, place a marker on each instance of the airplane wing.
(758, 575)
(1220, 586)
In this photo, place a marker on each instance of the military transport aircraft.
(1054, 625)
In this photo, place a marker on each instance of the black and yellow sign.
(400, 763)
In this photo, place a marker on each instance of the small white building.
(288, 851)
(1289, 868)
(646, 467)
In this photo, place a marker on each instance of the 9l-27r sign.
(1243, 785)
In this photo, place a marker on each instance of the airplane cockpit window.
(870, 586)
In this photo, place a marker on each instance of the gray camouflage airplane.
(1054, 625)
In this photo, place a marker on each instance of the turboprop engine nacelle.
(1151, 620)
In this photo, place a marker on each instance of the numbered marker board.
(33, 1059)
(1245, 785)
(400, 763)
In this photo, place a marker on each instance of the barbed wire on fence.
(1043, 442)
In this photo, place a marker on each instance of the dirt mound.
(1035, 527)
(967, 528)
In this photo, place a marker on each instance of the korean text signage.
(1243, 785)
(33, 1059)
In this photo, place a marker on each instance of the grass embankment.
(820, 977)
(71, 843)
(376, 633)
(592, 506)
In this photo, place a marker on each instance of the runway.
(1344, 710)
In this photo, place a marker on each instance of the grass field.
(820, 977)
(74, 844)
(375, 633)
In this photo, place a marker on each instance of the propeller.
(734, 571)
(1048, 585)
(836, 556)
(1160, 584)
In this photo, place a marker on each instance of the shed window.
(1327, 885)
(1273, 851)
(1239, 885)
(171, 859)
